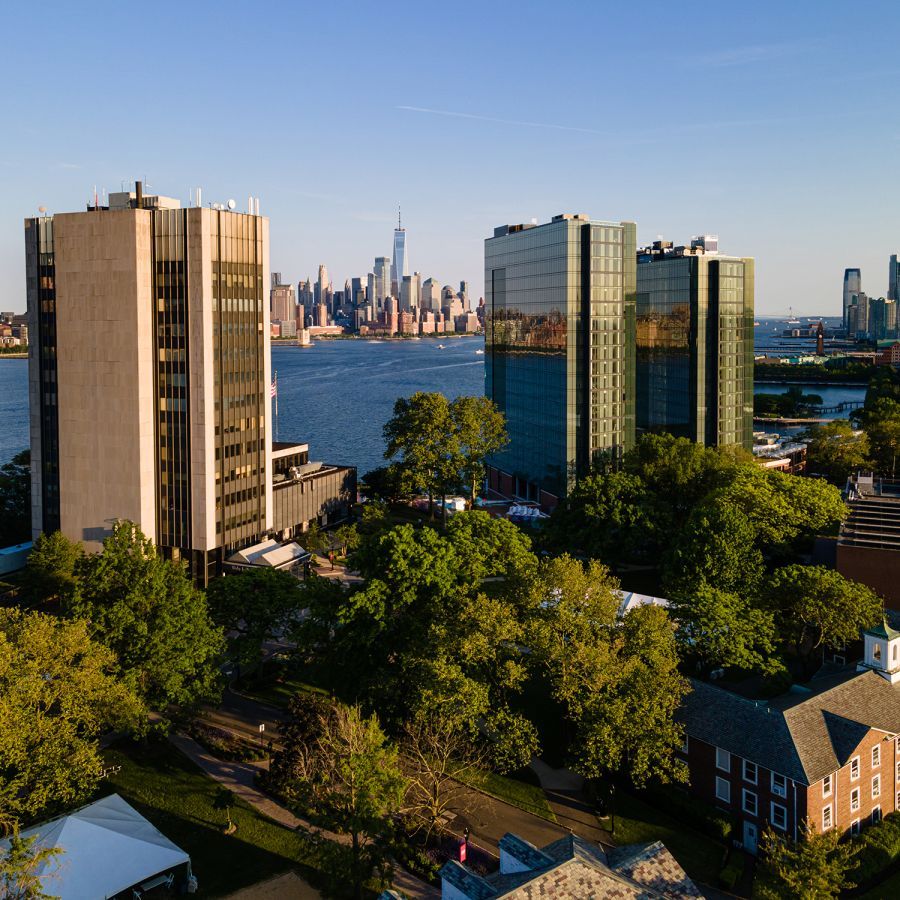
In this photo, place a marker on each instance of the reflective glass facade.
(560, 314)
(694, 347)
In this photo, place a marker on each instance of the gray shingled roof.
(804, 736)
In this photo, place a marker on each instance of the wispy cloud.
(753, 53)
(519, 122)
(67, 165)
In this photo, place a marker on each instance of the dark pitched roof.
(804, 736)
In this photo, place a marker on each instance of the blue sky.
(771, 124)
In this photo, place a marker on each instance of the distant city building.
(852, 286)
(464, 294)
(431, 295)
(858, 323)
(149, 382)
(893, 278)
(560, 301)
(381, 282)
(282, 300)
(694, 343)
(882, 318)
(410, 292)
(400, 265)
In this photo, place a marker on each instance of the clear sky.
(772, 124)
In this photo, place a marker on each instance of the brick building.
(826, 755)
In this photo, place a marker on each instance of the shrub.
(879, 847)
(732, 871)
(223, 744)
(702, 816)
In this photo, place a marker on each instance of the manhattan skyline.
(756, 124)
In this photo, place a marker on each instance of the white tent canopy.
(106, 847)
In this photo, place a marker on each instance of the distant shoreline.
(14, 355)
(375, 337)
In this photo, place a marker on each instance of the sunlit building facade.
(559, 325)
(694, 343)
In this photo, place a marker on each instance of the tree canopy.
(59, 691)
(15, 500)
(148, 612)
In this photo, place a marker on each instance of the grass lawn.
(179, 800)
(526, 796)
(636, 822)
(890, 887)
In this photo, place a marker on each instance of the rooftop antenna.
(399, 225)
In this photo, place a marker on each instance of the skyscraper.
(560, 301)
(893, 278)
(149, 378)
(410, 292)
(694, 343)
(464, 295)
(381, 283)
(431, 295)
(282, 301)
(852, 286)
(399, 267)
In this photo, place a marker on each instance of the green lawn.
(178, 799)
(637, 822)
(278, 692)
(529, 797)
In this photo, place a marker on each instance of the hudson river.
(337, 395)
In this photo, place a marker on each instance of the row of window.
(828, 818)
(750, 803)
(778, 783)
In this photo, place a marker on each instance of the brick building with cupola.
(824, 755)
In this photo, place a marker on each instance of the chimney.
(139, 195)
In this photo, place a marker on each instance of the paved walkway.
(289, 886)
(564, 790)
(337, 572)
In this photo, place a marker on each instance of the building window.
(723, 790)
(723, 759)
(750, 771)
(826, 786)
(750, 804)
(876, 814)
(876, 786)
(854, 827)
(854, 800)
(779, 816)
(826, 817)
(779, 785)
(854, 768)
(876, 756)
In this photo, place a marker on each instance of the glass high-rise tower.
(560, 303)
(852, 288)
(400, 265)
(694, 343)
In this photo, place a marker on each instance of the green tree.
(388, 483)
(15, 500)
(253, 607)
(816, 607)
(314, 539)
(421, 433)
(347, 778)
(24, 867)
(718, 547)
(813, 868)
(480, 430)
(488, 547)
(148, 612)
(611, 516)
(835, 450)
(627, 725)
(58, 694)
(881, 422)
(49, 574)
(348, 537)
(718, 628)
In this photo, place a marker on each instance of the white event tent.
(107, 847)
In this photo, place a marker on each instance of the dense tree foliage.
(836, 450)
(253, 607)
(21, 868)
(58, 693)
(813, 868)
(49, 574)
(344, 775)
(793, 403)
(440, 446)
(15, 500)
(148, 612)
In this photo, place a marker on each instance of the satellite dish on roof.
(231, 204)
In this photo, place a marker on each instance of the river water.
(337, 395)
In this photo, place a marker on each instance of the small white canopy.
(106, 847)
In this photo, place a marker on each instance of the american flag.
(274, 390)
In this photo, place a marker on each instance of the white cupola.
(882, 652)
